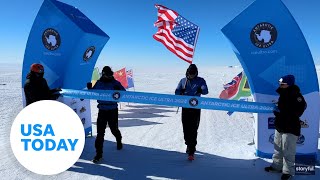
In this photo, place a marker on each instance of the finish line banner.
(170, 100)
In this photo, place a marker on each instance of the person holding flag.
(180, 36)
(108, 112)
(191, 85)
(176, 33)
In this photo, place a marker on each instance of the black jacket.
(291, 105)
(36, 89)
(108, 84)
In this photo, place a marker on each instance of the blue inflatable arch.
(67, 44)
(270, 45)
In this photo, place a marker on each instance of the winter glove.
(89, 85)
(182, 91)
(57, 89)
(199, 90)
(55, 96)
(116, 87)
(276, 113)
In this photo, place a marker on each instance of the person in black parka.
(36, 87)
(291, 105)
(108, 112)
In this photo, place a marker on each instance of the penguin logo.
(263, 35)
(88, 53)
(51, 39)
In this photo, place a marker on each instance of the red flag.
(231, 89)
(177, 33)
(121, 76)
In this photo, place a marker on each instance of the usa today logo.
(47, 137)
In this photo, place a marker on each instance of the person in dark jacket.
(108, 112)
(191, 85)
(36, 87)
(290, 107)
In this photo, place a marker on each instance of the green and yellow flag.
(95, 76)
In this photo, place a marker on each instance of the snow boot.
(119, 145)
(191, 157)
(272, 170)
(286, 176)
(191, 150)
(97, 158)
(187, 150)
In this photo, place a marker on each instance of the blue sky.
(130, 27)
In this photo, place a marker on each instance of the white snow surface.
(152, 135)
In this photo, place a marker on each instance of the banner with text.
(170, 100)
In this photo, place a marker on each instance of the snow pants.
(106, 117)
(284, 152)
(190, 122)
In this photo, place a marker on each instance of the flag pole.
(184, 87)
(134, 88)
(195, 44)
(194, 49)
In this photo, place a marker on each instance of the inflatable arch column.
(270, 45)
(67, 44)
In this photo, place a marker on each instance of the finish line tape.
(170, 100)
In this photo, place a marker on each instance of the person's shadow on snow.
(138, 115)
(136, 162)
(145, 111)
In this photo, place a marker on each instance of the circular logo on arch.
(271, 138)
(263, 35)
(193, 102)
(301, 140)
(47, 137)
(88, 53)
(51, 39)
(116, 95)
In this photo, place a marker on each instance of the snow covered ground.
(152, 136)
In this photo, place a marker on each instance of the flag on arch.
(237, 89)
(130, 78)
(176, 33)
(95, 76)
(121, 76)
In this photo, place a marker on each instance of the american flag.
(177, 33)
